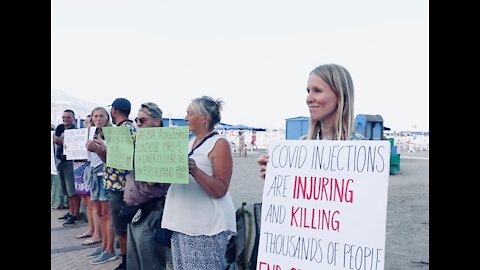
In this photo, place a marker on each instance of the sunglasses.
(140, 120)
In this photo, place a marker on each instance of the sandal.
(83, 235)
(91, 241)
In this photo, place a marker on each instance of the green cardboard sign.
(119, 147)
(161, 155)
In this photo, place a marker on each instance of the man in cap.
(142, 250)
(114, 183)
(121, 109)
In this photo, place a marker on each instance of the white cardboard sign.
(74, 143)
(324, 205)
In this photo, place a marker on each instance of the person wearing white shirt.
(201, 213)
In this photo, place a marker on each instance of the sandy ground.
(407, 232)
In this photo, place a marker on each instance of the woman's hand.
(99, 147)
(91, 146)
(95, 145)
(262, 161)
(192, 167)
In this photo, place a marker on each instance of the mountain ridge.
(61, 101)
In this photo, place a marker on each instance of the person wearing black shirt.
(65, 171)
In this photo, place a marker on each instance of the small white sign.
(74, 143)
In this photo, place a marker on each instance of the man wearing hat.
(114, 182)
(142, 250)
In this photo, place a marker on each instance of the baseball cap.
(153, 110)
(122, 105)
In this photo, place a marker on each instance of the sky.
(256, 56)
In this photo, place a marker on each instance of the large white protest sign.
(74, 143)
(324, 205)
(53, 168)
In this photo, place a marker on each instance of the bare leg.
(96, 211)
(88, 205)
(106, 221)
(122, 241)
(74, 205)
(103, 232)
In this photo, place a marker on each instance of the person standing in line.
(65, 171)
(59, 201)
(330, 102)
(199, 241)
(93, 177)
(84, 192)
(142, 250)
(114, 182)
(87, 122)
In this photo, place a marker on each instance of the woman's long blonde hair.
(99, 132)
(338, 78)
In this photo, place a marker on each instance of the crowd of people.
(200, 215)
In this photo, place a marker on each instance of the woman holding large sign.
(325, 198)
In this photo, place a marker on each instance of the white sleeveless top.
(94, 159)
(190, 210)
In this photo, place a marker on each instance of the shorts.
(66, 176)
(115, 200)
(97, 191)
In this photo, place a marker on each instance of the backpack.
(242, 249)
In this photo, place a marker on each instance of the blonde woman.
(330, 102)
(98, 194)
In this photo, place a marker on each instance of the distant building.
(370, 126)
(296, 127)
(169, 122)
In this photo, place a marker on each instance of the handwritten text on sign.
(161, 155)
(324, 205)
(74, 143)
(119, 147)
